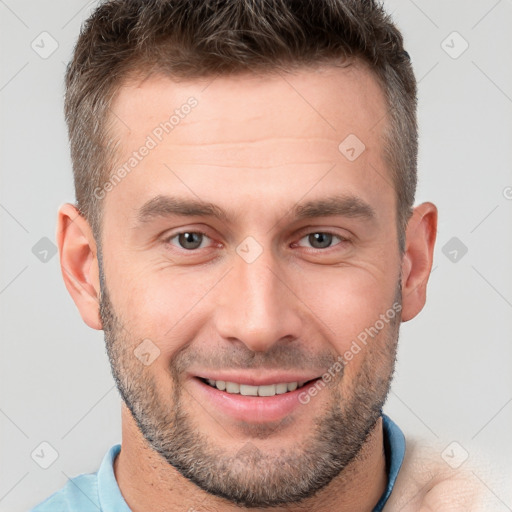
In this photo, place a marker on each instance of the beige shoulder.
(428, 483)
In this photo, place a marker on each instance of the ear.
(417, 260)
(78, 262)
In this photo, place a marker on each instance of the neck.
(148, 483)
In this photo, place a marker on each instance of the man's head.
(255, 234)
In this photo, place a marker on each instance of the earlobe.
(417, 260)
(79, 263)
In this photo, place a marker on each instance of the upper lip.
(257, 379)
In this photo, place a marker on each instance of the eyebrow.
(338, 205)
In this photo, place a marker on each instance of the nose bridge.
(257, 307)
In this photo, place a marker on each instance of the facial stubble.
(251, 477)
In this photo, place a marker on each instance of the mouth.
(235, 388)
(251, 403)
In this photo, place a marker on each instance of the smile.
(252, 398)
(235, 388)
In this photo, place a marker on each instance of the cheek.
(350, 302)
(161, 305)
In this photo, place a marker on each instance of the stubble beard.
(250, 477)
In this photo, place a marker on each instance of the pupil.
(190, 240)
(324, 239)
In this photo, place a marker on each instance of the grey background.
(453, 381)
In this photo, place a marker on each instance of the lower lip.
(254, 409)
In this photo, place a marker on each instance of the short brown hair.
(199, 38)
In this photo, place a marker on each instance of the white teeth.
(269, 390)
(281, 388)
(249, 390)
(232, 387)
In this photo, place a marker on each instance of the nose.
(257, 305)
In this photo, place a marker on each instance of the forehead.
(258, 134)
(330, 98)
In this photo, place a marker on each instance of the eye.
(321, 239)
(189, 240)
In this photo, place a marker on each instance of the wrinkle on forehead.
(325, 103)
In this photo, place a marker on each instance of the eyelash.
(199, 232)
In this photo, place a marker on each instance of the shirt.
(99, 492)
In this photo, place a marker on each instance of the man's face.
(270, 294)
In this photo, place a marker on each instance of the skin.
(255, 146)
